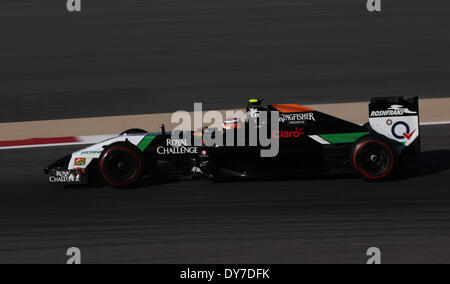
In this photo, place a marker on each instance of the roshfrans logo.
(394, 110)
(297, 118)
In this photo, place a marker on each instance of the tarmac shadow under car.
(436, 161)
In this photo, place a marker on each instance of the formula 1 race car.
(310, 143)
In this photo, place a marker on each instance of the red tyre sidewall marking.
(128, 151)
(362, 171)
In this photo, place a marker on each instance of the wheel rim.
(374, 159)
(120, 166)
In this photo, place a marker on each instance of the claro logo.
(288, 133)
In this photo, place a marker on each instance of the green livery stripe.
(343, 137)
(146, 142)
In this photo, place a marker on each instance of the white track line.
(435, 123)
(83, 140)
(93, 139)
(45, 145)
(431, 123)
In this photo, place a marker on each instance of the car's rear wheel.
(373, 159)
(121, 167)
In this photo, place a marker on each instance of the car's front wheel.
(121, 166)
(373, 159)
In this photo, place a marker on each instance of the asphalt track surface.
(121, 57)
(296, 221)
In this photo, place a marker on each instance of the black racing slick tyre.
(373, 159)
(121, 166)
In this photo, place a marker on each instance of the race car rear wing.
(396, 118)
